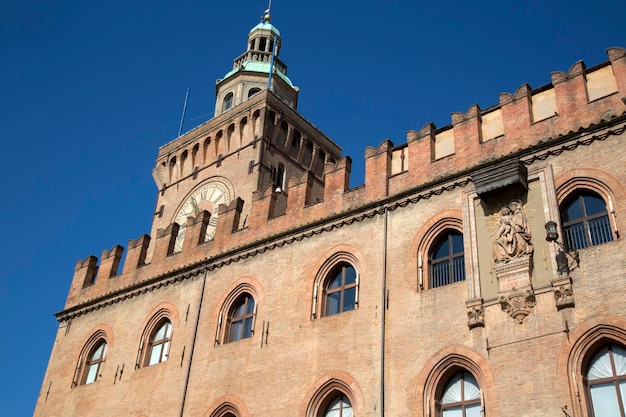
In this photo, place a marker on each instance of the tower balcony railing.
(258, 56)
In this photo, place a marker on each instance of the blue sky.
(90, 90)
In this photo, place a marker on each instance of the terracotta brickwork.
(394, 349)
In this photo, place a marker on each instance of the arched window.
(94, 361)
(158, 348)
(585, 221)
(279, 176)
(340, 290)
(446, 260)
(241, 318)
(339, 406)
(308, 155)
(227, 409)
(91, 360)
(253, 91)
(606, 381)
(461, 396)
(294, 149)
(227, 103)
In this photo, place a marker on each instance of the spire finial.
(266, 15)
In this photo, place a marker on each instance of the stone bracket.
(475, 313)
(519, 304)
(563, 292)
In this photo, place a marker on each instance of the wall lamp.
(561, 257)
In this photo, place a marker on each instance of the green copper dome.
(266, 26)
(253, 66)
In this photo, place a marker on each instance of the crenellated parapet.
(435, 159)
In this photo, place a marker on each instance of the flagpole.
(182, 118)
(269, 79)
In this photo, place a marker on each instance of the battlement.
(523, 121)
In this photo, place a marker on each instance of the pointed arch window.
(585, 221)
(159, 344)
(447, 261)
(606, 381)
(340, 406)
(461, 396)
(241, 318)
(94, 363)
(91, 362)
(340, 291)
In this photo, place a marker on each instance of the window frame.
(164, 343)
(326, 271)
(247, 315)
(441, 407)
(228, 101)
(86, 361)
(248, 290)
(328, 389)
(430, 233)
(434, 378)
(578, 197)
(614, 379)
(253, 91)
(446, 236)
(324, 410)
(340, 269)
(147, 343)
(97, 362)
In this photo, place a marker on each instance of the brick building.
(268, 287)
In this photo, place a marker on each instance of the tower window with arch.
(585, 220)
(241, 318)
(307, 157)
(446, 259)
(253, 91)
(227, 102)
(461, 396)
(294, 148)
(278, 174)
(91, 362)
(606, 381)
(340, 290)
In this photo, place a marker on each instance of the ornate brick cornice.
(258, 248)
(551, 147)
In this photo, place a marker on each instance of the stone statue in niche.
(513, 234)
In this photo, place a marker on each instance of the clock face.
(207, 197)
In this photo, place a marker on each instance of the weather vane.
(266, 14)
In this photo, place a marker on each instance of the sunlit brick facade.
(268, 287)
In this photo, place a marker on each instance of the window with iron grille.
(447, 260)
(585, 221)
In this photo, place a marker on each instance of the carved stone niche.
(509, 173)
(563, 292)
(475, 313)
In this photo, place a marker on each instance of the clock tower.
(256, 140)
